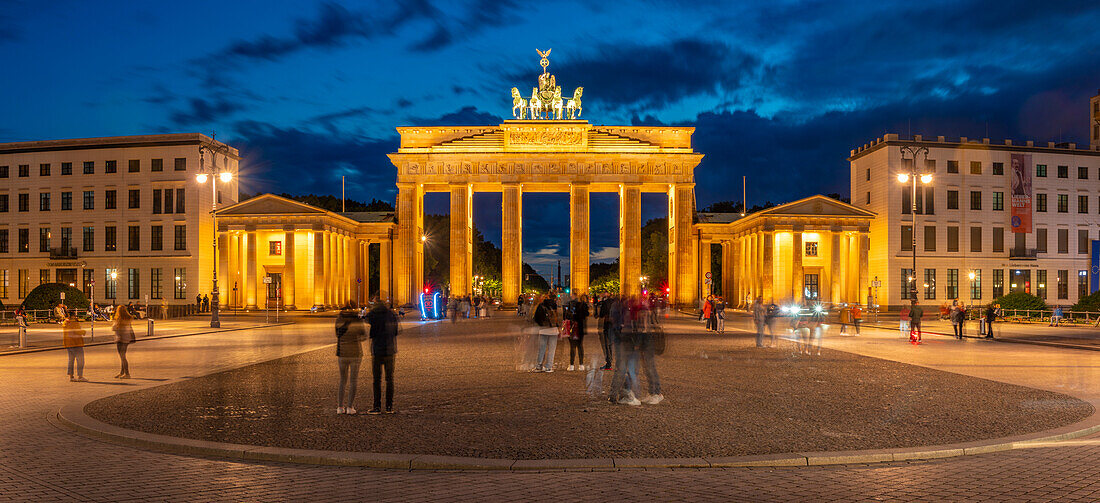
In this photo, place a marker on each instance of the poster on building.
(1021, 193)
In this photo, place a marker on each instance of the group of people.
(469, 306)
(629, 336)
(714, 312)
(911, 319)
(202, 303)
(72, 338)
(351, 330)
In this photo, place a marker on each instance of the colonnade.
(773, 264)
(335, 268)
(408, 265)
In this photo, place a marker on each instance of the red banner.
(1021, 193)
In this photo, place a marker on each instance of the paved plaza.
(40, 461)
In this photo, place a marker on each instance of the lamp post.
(214, 178)
(905, 177)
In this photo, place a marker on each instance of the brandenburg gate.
(545, 148)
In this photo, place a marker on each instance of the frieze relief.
(544, 137)
(542, 168)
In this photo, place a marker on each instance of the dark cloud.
(200, 111)
(653, 76)
(333, 26)
(466, 116)
(403, 103)
(301, 161)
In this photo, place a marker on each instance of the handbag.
(566, 329)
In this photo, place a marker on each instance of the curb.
(1002, 339)
(154, 338)
(73, 417)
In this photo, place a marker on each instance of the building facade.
(283, 254)
(122, 218)
(995, 218)
(811, 250)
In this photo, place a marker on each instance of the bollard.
(149, 328)
(22, 336)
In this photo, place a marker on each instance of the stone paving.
(41, 462)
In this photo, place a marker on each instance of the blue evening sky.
(779, 91)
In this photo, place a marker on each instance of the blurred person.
(759, 318)
(769, 319)
(857, 317)
(916, 315)
(843, 318)
(384, 326)
(955, 315)
(206, 303)
(123, 327)
(72, 337)
(817, 328)
(618, 314)
(991, 314)
(607, 339)
(350, 333)
(903, 321)
(1056, 317)
(580, 315)
(708, 312)
(720, 315)
(546, 319)
(622, 384)
(644, 350)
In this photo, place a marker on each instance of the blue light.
(435, 305)
(423, 313)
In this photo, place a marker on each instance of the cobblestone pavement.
(40, 462)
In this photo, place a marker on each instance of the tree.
(332, 203)
(1090, 303)
(655, 251)
(734, 207)
(1021, 300)
(838, 197)
(46, 296)
(533, 281)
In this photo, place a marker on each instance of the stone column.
(579, 234)
(318, 269)
(682, 274)
(385, 263)
(837, 275)
(845, 248)
(864, 283)
(239, 268)
(461, 254)
(288, 270)
(630, 239)
(796, 266)
(729, 271)
(223, 271)
(250, 271)
(408, 261)
(345, 269)
(705, 256)
(767, 262)
(511, 240)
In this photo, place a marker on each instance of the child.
(72, 336)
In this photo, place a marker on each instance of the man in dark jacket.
(383, 346)
(607, 339)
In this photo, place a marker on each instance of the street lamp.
(224, 177)
(913, 175)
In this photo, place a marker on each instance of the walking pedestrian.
(72, 337)
(720, 315)
(546, 318)
(383, 349)
(579, 315)
(990, 317)
(607, 339)
(622, 383)
(903, 321)
(349, 355)
(956, 320)
(759, 318)
(857, 317)
(769, 320)
(124, 335)
(645, 350)
(916, 315)
(1056, 317)
(845, 315)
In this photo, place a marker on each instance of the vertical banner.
(1021, 193)
(1094, 266)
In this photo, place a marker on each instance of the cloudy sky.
(778, 90)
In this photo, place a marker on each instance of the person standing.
(720, 315)
(759, 318)
(383, 350)
(607, 340)
(956, 316)
(123, 328)
(579, 314)
(857, 317)
(990, 317)
(206, 303)
(916, 313)
(349, 355)
(769, 320)
(546, 318)
(645, 350)
(72, 337)
(198, 303)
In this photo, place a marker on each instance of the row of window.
(976, 168)
(162, 200)
(998, 245)
(111, 277)
(132, 166)
(1019, 280)
(110, 239)
(926, 201)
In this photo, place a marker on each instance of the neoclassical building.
(814, 249)
(276, 252)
